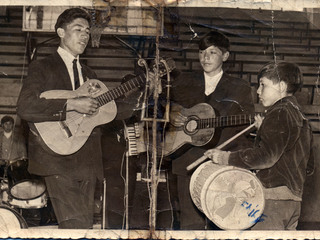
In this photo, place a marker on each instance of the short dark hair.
(283, 71)
(69, 15)
(215, 38)
(7, 119)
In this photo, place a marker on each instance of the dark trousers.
(115, 174)
(191, 218)
(279, 215)
(72, 200)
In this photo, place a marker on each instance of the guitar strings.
(224, 121)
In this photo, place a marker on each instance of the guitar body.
(176, 137)
(67, 137)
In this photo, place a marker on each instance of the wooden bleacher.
(253, 34)
(255, 39)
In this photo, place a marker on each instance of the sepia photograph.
(160, 119)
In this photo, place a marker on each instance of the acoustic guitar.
(68, 136)
(199, 128)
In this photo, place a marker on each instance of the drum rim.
(232, 168)
(220, 169)
(43, 199)
(191, 185)
(22, 221)
(25, 180)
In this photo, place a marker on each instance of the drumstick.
(203, 158)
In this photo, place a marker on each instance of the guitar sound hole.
(191, 126)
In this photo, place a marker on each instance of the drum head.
(28, 189)
(10, 220)
(230, 197)
(233, 199)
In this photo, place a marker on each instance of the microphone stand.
(155, 174)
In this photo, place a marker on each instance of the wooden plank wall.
(257, 37)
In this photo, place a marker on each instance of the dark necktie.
(75, 74)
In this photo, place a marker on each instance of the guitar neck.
(121, 90)
(225, 121)
(132, 84)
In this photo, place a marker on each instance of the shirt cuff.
(223, 158)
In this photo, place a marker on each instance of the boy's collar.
(219, 74)
(292, 99)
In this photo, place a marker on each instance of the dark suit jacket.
(52, 74)
(232, 96)
(18, 148)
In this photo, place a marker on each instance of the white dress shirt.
(68, 60)
(211, 82)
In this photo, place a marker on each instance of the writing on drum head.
(253, 212)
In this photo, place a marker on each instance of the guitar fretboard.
(131, 85)
(224, 121)
(121, 90)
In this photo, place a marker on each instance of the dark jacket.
(282, 147)
(52, 74)
(232, 96)
(18, 148)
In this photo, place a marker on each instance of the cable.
(124, 195)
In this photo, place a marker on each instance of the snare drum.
(10, 220)
(25, 190)
(29, 193)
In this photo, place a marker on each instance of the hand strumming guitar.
(84, 105)
(176, 118)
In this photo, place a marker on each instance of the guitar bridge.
(65, 129)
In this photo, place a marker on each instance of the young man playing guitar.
(70, 179)
(227, 96)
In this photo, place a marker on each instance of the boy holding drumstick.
(282, 147)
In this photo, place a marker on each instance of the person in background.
(12, 144)
(282, 148)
